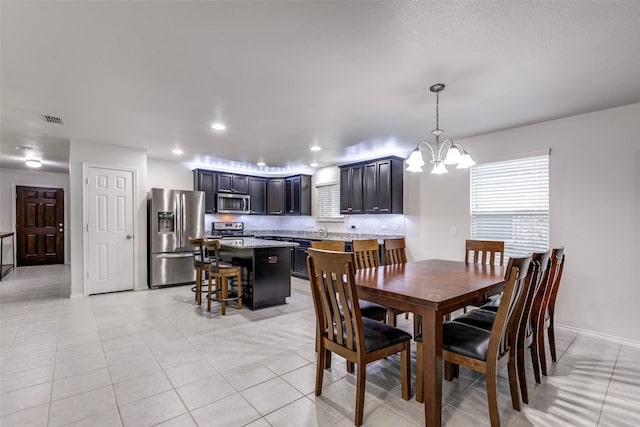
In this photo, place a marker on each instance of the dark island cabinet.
(351, 189)
(258, 195)
(275, 196)
(381, 187)
(232, 183)
(205, 180)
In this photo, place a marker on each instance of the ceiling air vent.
(52, 119)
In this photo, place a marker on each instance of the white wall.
(81, 152)
(167, 174)
(10, 178)
(594, 212)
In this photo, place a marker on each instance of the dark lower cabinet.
(299, 259)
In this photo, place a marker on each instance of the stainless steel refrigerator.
(174, 216)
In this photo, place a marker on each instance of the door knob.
(129, 237)
(60, 225)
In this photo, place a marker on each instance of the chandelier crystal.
(445, 153)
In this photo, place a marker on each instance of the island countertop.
(253, 243)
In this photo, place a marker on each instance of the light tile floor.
(153, 358)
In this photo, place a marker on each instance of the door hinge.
(87, 227)
(87, 181)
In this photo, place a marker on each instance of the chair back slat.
(335, 299)
(197, 250)
(516, 274)
(328, 245)
(366, 253)
(394, 251)
(537, 281)
(484, 252)
(213, 249)
(555, 275)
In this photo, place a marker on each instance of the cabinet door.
(292, 195)
(351, 190)
(370, 188)
(240, 184)
(224, 183)
(206, 181)
(275, 196)
(383, 170)
(258, 195)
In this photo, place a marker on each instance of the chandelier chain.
(437, 110)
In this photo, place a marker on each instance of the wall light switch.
(453, 230)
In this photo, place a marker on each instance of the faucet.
(324, 231)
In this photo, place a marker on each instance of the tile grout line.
(606, 393)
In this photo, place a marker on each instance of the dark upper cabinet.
(258, 195)
(204, 180)
(231, 183)
(381, 187)
(275, 196)
(298, 195)
(351, 189)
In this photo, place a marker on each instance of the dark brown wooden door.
(39, 225)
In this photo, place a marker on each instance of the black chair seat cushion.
(379, 335)
(464, 339)
(372, 310)
(479, 318)
(492, 304)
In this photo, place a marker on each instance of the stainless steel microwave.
(233, 203)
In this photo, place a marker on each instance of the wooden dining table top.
(436, 284)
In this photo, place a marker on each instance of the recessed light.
(218, 126)
(33, 163)
(261, 164)
(314, 165)
(177, 151)
(315, 148)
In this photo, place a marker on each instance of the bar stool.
(200, 264)
(219, 275)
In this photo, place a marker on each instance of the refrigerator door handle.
(184, 219)
(176, 255)
(178, 220)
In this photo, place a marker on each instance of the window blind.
(329, 201)
(510, 202)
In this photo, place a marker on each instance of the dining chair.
(394, 251)
(483, 252)
(367, 253)
(220, 274)
(523, 336)
(546, 309)
(482, 350)
(368, 309)
(344, 330)
(200, 265)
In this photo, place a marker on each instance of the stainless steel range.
(229, 230)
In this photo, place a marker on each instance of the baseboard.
(610, 338)
(77, 295)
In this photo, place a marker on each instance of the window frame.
(336, 202)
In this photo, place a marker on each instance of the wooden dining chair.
(484, 252)
(367, 308)
(546, 308)
(481, 350)
(219, 284)
(367, 253)
(200, 265)
(394, 251)
(344, 330)
(522, 337)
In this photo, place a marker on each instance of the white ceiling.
(352, 77)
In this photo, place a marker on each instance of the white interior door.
(110, 219)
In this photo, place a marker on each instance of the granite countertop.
(252, 243)
(316, 235)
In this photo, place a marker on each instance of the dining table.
(430, 288)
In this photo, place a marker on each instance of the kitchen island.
(266, 267)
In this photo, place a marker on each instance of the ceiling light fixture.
(315, 148)
(314, 164)
(261, 164)
(447, 153)
(177, 151)
(218, 126)
(34, 163)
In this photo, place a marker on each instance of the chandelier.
(445, 153)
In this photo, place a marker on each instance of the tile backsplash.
(392, 225)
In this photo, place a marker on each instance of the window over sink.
(328, 201)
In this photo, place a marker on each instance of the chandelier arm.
(433, 154)
(448, 143)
